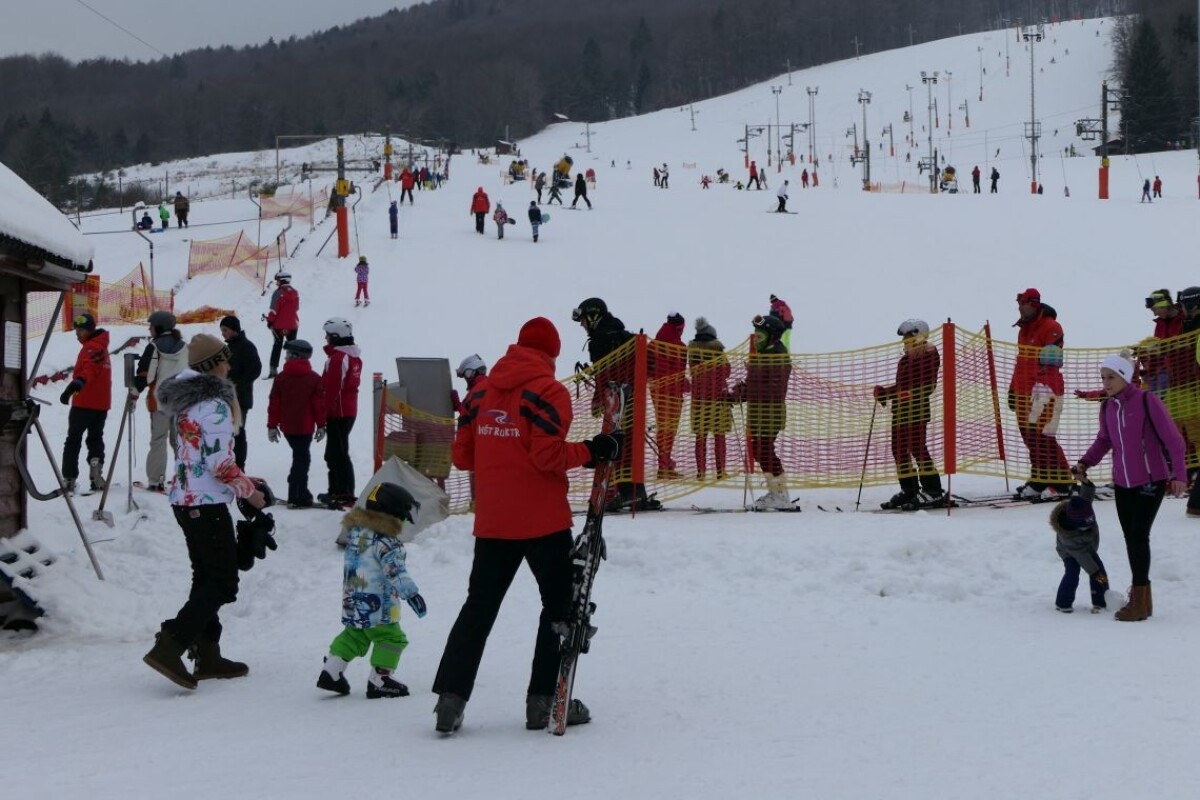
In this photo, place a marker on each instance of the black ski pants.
(298, 476)
(239, 442)
(277, 347)
(408, 193)
(496, 564)
(81, 421)
(479, 215)
(337, 455)
(1137, 506)
(212, 549)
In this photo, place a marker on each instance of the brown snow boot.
(1135, 609)
(211, 664)
(1149, 602)
(166, 658)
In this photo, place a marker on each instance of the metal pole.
(777, 90)
(863, 477)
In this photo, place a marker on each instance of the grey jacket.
(1080, 544)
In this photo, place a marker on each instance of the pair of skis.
(589, 550)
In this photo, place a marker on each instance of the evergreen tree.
(1149, 108)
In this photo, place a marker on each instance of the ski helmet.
(912, 327)
(283, 277)
(393, 500)
(1159, 298)
(1189, 298)
(593, 307)
(339, 327)
(298, 348)
(362, 259)
(162, 321)
(471, 364)
(770, 324)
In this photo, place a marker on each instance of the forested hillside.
(459, 71)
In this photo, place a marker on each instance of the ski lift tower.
(929, 162)
(1033, 129)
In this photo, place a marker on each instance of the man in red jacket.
(480, 205)
(1035, 396)
(284, 317)
(295, 411)
(514, 438)
(407, 181)
(90, 396)
(343, 373)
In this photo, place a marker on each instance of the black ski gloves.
(72, 387)
(604, 447)
(254, 539)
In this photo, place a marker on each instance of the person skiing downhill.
(513, 437)
(916, 379)
(781, 194)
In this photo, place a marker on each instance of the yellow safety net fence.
(698, 418)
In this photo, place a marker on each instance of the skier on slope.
(916, 379)
(581, 191)
(164, 358)
(393, 219)
(606, 335)
(764, 391)
(283, 319)
(781, 194)
(780, 309)
(341, 377)
(668, 384)
(362, 273)
(513, 437)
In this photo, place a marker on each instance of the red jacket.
(514, 437)
(916, 378)
(480, 203)
(297, 403)
(668, 360)
(753, 170)
(285, 316)
(709, 369)
(1040, 330)
(94, 368)
(407, 179)
(343, 372)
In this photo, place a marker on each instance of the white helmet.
(339, 327)
(283, 277)
(912, 327)
(473, 363)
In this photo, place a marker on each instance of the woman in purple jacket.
(1148, 461)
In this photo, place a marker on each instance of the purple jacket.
(1141, 442)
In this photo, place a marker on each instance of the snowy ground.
(811, 655)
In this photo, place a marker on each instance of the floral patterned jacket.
(374, 576)
(206, 416)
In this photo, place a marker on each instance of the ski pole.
(863, 477)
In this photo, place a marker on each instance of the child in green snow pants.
(389, 641)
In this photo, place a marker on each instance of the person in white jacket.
(204, 405)
(782, 194)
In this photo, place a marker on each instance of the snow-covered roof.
(29, 218)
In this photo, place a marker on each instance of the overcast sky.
(69, 28)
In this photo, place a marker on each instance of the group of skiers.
(182, 206)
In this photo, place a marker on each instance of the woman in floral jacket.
(204, 406)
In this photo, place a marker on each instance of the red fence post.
(950, 396)
(638, 441)
(991, 359)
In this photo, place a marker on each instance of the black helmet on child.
(393, 500)
(1189, 298)
(162, 321)
(298, 348)
(593, 306)
(770, 324)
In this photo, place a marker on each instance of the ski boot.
(900, 500)
(776, 498)
(357, 303)
(449, 711)
(381, 684)
(537, 712)
(331, 678)
(69, 487)
(96, 474)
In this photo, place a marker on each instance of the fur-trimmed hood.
(1056, 523)
(190, 387)
(377, 521)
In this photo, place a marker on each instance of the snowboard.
(545, 217)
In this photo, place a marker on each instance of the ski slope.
(803, 655)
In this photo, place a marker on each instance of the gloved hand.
(72, 387)
(273, 435)
(738, 393)
(604, 447)
(417, 604)
(320, 434)
(455, 400)
(1012, 401)
(880, 395)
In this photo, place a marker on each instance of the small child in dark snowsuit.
(374, 581)
(535, 218)
(1077, 542)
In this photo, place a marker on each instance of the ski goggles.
(1159, 299)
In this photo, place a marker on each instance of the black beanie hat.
(231, 322)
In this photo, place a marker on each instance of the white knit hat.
(1121, 366)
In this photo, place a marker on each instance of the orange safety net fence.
(127, 301)
(298, 203)
(238, 253)
(698, 418)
